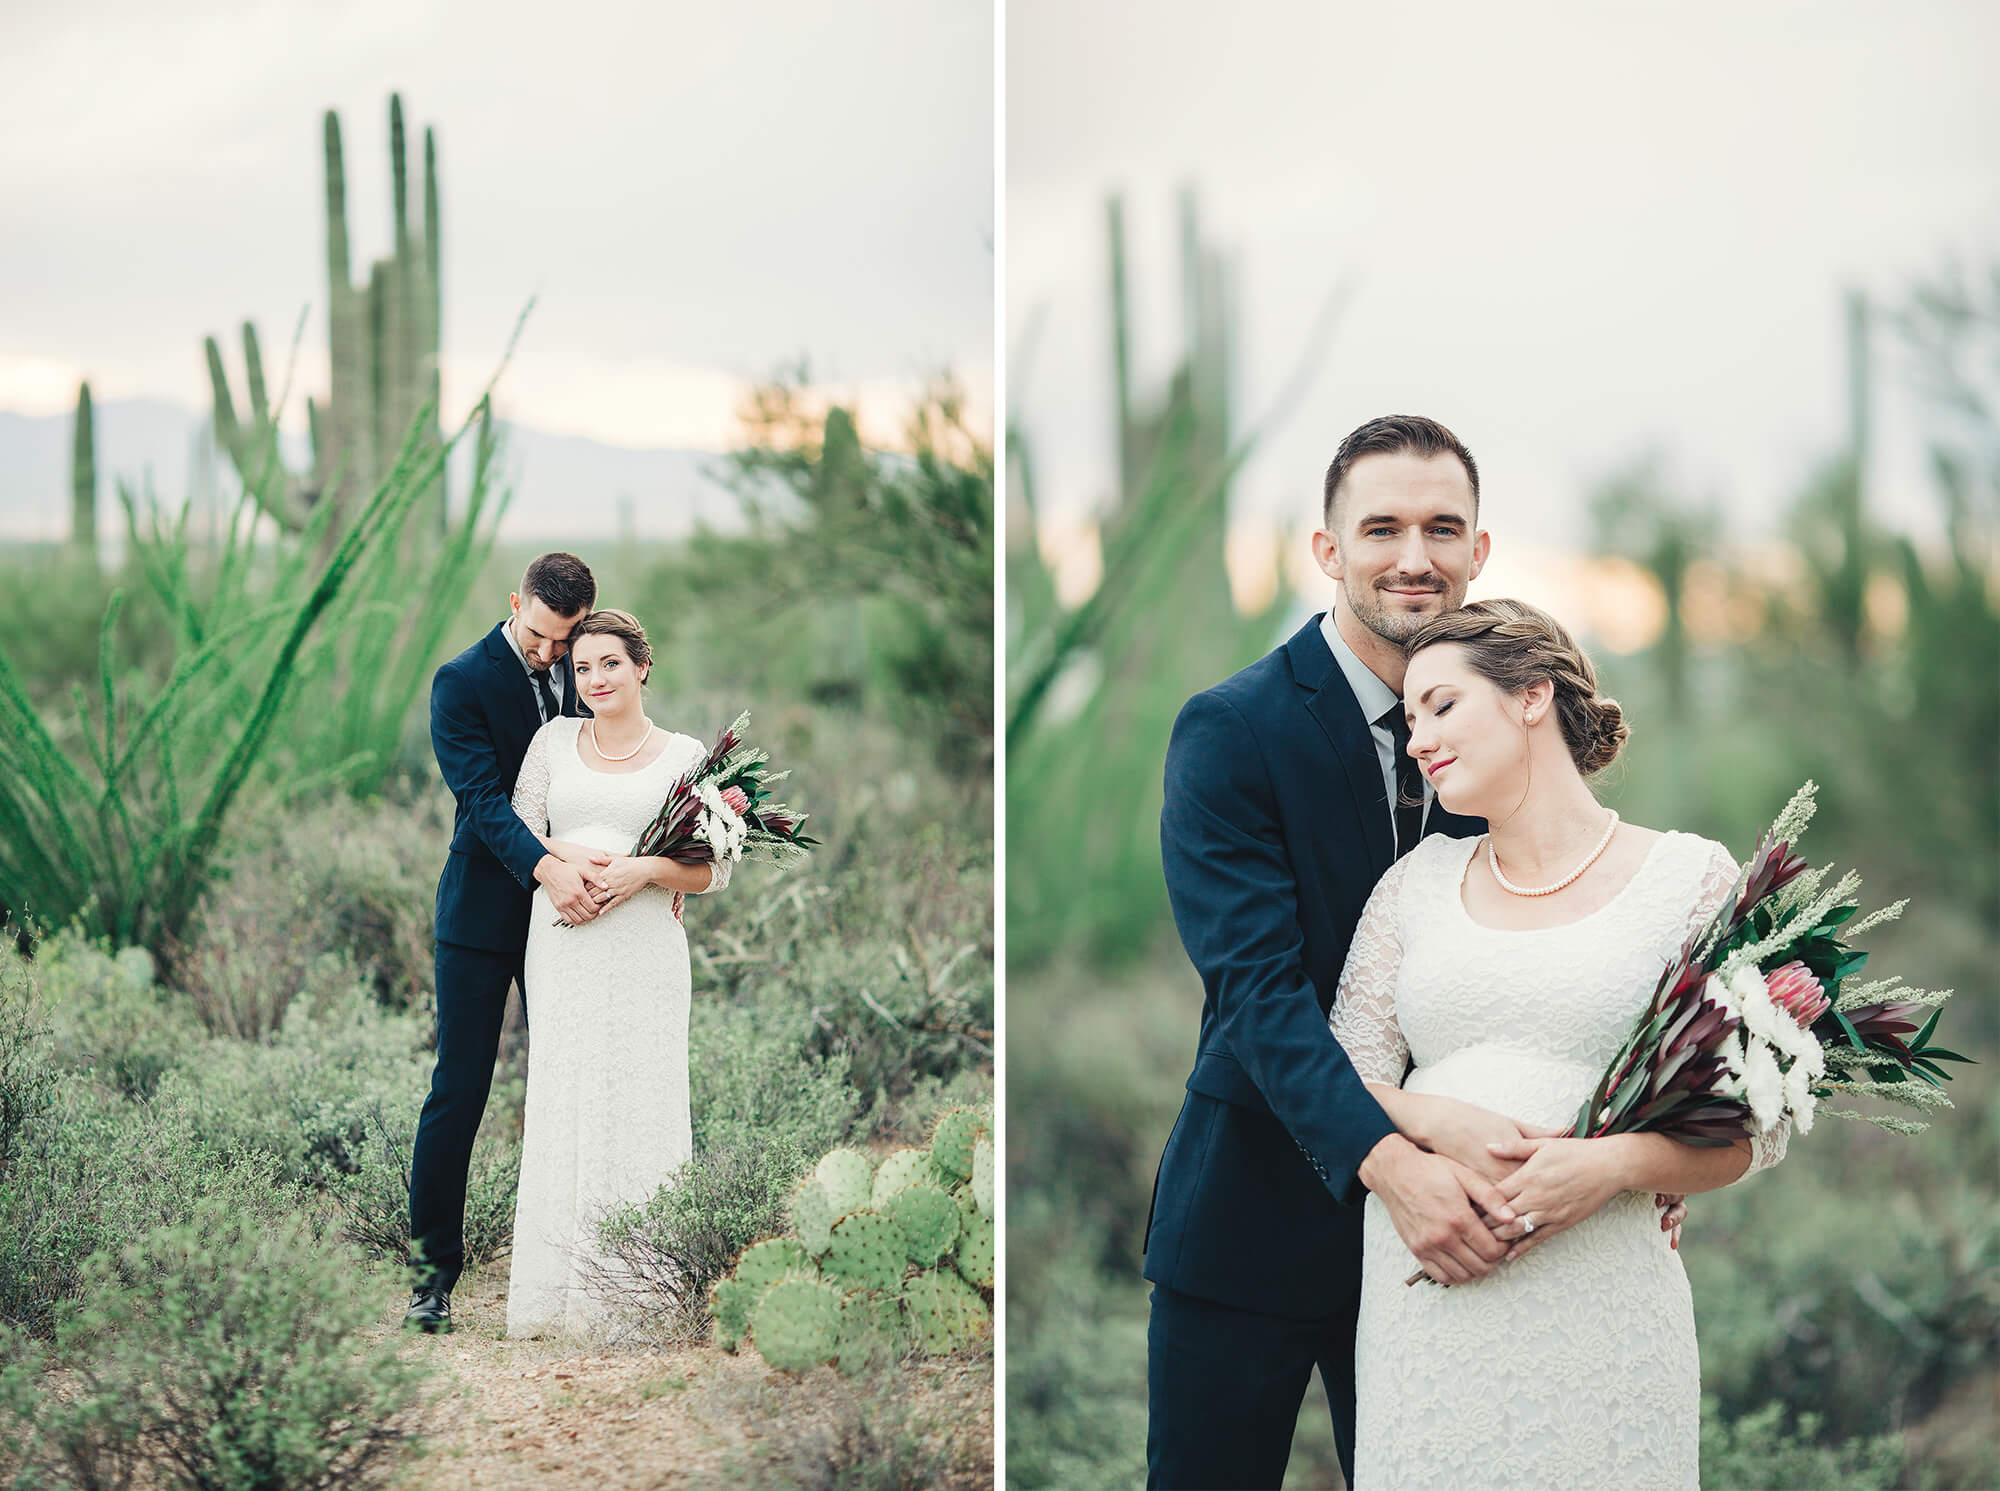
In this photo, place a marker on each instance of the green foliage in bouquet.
(877, 1262)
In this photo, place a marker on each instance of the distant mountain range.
(564, 486)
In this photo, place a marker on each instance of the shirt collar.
(1374, 696)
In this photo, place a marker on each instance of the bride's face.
(1465, 733)
(605, 676)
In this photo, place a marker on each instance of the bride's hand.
(620, 878)
(1559, 1183)
(1463, 1131)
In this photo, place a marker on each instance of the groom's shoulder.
(466, 665)
(1251, 689)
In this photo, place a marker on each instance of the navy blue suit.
(1275, 829)
(483, 714)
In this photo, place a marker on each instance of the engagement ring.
(1527, 1225)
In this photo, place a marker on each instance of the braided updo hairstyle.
(620, 624)
(1514, 646)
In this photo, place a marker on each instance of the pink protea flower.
(738, 800)
(1794, 990)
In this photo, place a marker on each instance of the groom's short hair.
(563, 581)
(1387, 436)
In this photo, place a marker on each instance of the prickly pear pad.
(952, 1141)
(945, 1312)
(847, 1176)
(929, 1219)
(867, 1251)
(903, 1168)
(797, 1324)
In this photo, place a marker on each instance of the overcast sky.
(1571, 230)
(696, 194)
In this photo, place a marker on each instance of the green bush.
(336, 893)
(671, 1251)
(1757, 1452)
(93, 1172)
(374, 1199)
(106, 1015)
(752, 1085)
(224, 1353)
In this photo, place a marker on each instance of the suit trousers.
(472, 987)
(1224, 1387)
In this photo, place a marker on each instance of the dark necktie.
(547, 697)
(1409, 804)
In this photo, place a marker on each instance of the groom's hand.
(1436, 1205)
(568, 893)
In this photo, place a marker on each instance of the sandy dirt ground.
(512, 1414)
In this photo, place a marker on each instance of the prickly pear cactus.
(732, 1304)
(812, 1216)
(982, 1177)
(929, 1219)
(974, 1255)
(771, 1260)
(867, 1251)
(848, 1177)
(872, 1331)
(946, 1313)
(905, 1167)
(953, 1140)
(797, 1324)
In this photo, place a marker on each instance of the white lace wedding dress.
(607, 1113)
(1575, 1365)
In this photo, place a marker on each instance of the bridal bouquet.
(722, 807)
(1750, 1024)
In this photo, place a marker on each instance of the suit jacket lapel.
(512, 679)
(1331, 702)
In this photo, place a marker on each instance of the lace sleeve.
(531, 787)
(1364, 1008)
(720, 869)
(1718, 879)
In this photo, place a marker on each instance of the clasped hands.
(585, 883)
(1475, 1189)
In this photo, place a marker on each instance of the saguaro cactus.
(383, 349)
(83, 480)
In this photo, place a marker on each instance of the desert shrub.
(670, 1252)
(1757, 1452)
(331, 894)
(93, 1172)
(879, 1433)
(221, 1353)
(302, 1098)
(751, 1083)
(1864, 1314)
(106, 1015)
(374, 1199)
(27, 1077)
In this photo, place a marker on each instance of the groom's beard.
(1383, 615)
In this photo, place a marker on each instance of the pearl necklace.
(629, 754)
(1493, 864)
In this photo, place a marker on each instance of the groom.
(486, 705)
(1288, 794)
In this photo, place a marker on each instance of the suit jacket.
(483, 715)
(1274, 831)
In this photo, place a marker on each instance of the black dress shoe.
(430, 1310)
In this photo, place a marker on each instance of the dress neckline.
(576, 751)
(1638, 874)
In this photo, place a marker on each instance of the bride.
(607, 1113)
(1504, 972)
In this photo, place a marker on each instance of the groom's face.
(1405, 541)
(542, 632)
